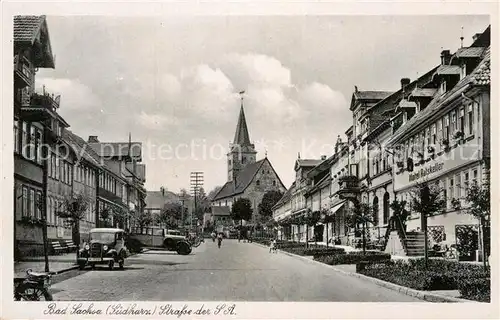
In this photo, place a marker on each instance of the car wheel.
(183, 248)
(111, 265)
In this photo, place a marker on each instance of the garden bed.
(353, 257)
(472, 281)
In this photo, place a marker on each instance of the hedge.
(353, 257)
(472, 281)
(475, 289)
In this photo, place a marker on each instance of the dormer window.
(463, 71)
(443, 87)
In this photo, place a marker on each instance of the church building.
(246, 177)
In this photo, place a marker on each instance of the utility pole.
(196, 184)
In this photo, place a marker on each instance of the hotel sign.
(424, 172)
(436, 168)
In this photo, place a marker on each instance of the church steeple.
(242, 151)
(241, 136)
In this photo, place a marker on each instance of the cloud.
(156, 121)
(74, 94)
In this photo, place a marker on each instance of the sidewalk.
(57, 264)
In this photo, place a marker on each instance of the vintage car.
(105, 246)
(157, 237)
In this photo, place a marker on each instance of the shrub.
(353, 257)
(475, 289)
(419, 280)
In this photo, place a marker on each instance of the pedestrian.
(272, 246)
(219, 240)
(213, 235)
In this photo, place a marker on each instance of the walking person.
(272, 246)
(219, 240)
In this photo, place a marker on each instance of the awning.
(337, 207)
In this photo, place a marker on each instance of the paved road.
(236, 272)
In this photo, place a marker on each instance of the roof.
(157, 200)
(308, 162)
(241, 136)
(221, 211)
(106, 230)
(325, 181)
(479, 76)
(286, 197)
(423, 92)
(470, 52)
(117, 149)
(243, 180)
(407, 104)
(448, 70)
(27, 28)
(80, 147)
(371, 95)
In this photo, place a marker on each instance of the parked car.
(106, 246)
(156, 237)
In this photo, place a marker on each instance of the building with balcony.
(447, 141)
(121, 194)
(36, 122)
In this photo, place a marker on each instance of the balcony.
(22, 72)
(349, 187)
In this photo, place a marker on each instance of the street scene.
(337, 159)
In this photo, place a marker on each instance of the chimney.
(323, 157)
(93, 139)
(445, 57)
(405, 82)
(476, 36)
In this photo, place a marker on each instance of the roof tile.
(26, 28)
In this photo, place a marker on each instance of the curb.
(423, 295)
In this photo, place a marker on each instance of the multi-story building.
(447, 141)
(85, 172)
(36, 122)
(120, 191)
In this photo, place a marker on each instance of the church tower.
(242, 151)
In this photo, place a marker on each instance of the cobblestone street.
(238, 271)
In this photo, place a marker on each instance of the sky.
(174, 83)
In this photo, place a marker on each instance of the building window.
(274, 183)
(57, 168)
(470, 118)
(433, 135)
(445, 193)
(31, 203)
(474, 175)
(461, 120)
(38, 205)
(454, 121)
(446, 128)
(386, 207)
(451, 188)
(459, 185)
(24, 140)
(32, 149)
(258, 182)
(375, 211)
(243, 160)
(24, 209)
(38, 143)
(16, 136)
(466, 182)
(443, 87)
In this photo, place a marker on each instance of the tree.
(269, 199)
(171, 214)
(241, 210)
(311, 219)
(361, 214)
(144, 219)
(399, 211)
(73, 209)
(478, 202)
(202, 204)
(427, 200)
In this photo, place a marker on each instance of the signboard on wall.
(454, 159)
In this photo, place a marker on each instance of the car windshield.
(102, 236)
